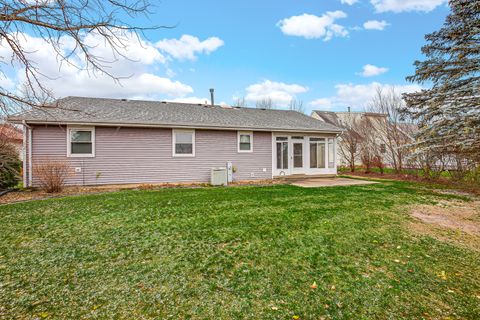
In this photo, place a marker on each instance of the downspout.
(29, 139)
(24, 153)
(335, 152)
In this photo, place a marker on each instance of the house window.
(183, 143)
(81, 142)
(331, 153)
(245, 141)
(383, 148)
(317, 153)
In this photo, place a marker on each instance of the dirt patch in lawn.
(35, 194)
(450, 221)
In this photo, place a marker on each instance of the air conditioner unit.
(218, 177)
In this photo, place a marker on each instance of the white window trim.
(183, 155)
(69, 144)
(325, 157)
(245, 133)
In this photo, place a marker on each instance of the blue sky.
(313, 51)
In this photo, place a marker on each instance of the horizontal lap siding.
(144, 155)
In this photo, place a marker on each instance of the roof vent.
(124, 100)
(212, 97)
(164, 102)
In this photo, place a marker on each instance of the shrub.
(378, 163)
(10, 166)
(367, 162)
(51, 174)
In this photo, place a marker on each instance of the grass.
(274, 252)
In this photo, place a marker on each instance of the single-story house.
(120, 141)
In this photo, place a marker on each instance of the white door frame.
(300, 170)
(282, 171)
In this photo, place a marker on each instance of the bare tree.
(349, 142)
(296, 105)
(369, 147)
(392, 129)
(265, 103)
(54, 22)
(240, 102)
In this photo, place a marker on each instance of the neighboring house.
(110, 141)
(12, 135)
(376, 122)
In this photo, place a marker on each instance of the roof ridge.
(75, 109)
(173, 102)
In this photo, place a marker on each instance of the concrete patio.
(329, 182)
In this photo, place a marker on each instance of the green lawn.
(232, 253)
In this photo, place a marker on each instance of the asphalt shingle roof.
(161, 113)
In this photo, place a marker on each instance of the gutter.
(176, 126)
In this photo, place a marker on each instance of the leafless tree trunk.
(349, 142)
(369, 148)
(392, 130)
(296, 105)
(240, 102)
(265, 103)
(54, 22)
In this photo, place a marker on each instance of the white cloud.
(349, 2)
(314, 27)
(369, 70)
(406, 5)
(324, 103)
(280, 93)
(187, 47)
(375, 25)
(134, 65)
(358, 96)
(6, 82)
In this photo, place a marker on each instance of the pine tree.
(448, 113)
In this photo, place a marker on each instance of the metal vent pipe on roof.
(212, 98)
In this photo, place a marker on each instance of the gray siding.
(144, 155)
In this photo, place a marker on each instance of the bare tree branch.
(54, 21)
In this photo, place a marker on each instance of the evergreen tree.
(448, 113)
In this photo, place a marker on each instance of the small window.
(183, 143)
(282, 138)
(81, 142)
(245, 141)
(383, 148)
